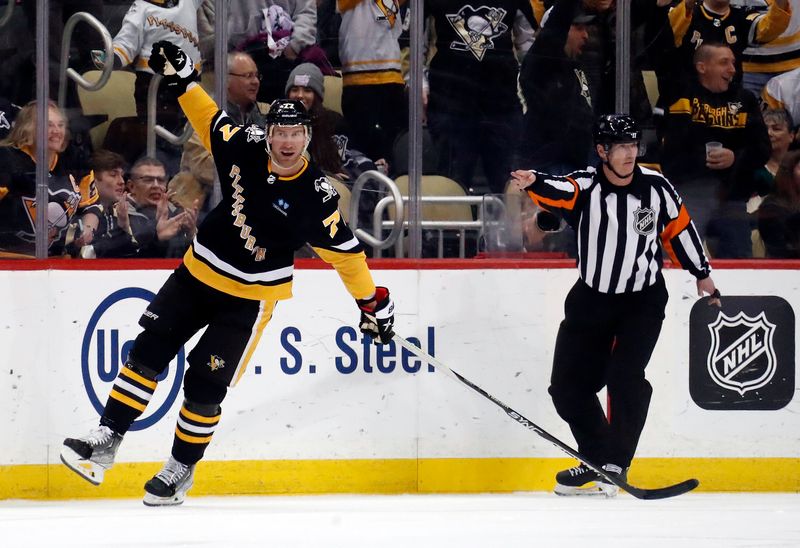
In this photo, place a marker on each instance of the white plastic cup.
(712, 145)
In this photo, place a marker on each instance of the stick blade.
(662, 492)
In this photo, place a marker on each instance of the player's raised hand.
(174, 64)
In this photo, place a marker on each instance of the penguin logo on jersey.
(388, 10)
(477, 28)
(322, 185)
(644, 221)
(255, 134)
(216, 363)
(734, 108)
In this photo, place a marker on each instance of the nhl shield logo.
(644, 221)
(742, 354)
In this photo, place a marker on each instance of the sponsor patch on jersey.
(322, 185)
(282, 206)
(644, 221)
(255, 134)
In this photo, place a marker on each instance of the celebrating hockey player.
(625, 217)
(238, 266)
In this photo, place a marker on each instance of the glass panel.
(118, 162)
(17, 169)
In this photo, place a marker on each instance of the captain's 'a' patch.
(322, 185)
(477, 28)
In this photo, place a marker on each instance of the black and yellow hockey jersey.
(69, 195)
(245, 246)
(737, 27)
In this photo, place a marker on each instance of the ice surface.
(416, 521)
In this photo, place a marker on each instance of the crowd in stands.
(507, 84)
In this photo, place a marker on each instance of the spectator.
(716, 182)
(781, 135)
(244, 81)
(148, 22)
(113, 237)
(557, 126)
(329, 141)
(473, 109)
(765, 61)
(779, 214)
(161, 228)
(145, 23)
(69, 197)
(330, 145)
(279, 34)
(716, 21)
(598, 59)
(783, 91)
(373, 89)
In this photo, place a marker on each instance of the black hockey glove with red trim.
(174, 64)
(377, 316)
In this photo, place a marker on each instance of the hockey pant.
(606, 340)
(182, 307)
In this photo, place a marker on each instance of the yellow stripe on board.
(395, 476)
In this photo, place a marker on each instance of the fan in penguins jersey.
(239, 265)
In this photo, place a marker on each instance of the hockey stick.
(639, 493)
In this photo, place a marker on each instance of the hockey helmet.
(287, 112)
(616, 128)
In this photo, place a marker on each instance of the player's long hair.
(23, 134)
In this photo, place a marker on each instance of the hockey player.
(239, 265)
(625, 217)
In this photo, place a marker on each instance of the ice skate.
(91, 455)
(169, 486)
(583, 481)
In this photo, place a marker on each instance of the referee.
(625, 217)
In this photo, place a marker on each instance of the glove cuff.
(374, 302)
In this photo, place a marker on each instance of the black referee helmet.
(616, 128)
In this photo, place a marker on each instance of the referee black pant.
(606, 340)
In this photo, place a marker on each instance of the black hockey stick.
(639, 493)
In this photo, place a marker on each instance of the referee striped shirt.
(623, 230)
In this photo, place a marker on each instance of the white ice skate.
(91, 455)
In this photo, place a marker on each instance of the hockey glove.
(174, 64)
(377, 316)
